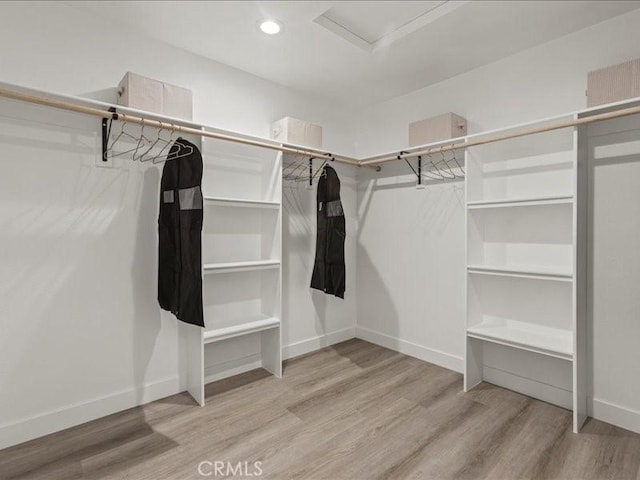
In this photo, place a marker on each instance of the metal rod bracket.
(400, 157)
(106, 132)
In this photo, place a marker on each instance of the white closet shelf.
(226, 333)
(520, 202)
(538, 272)
(240, 266)
(550, 341)
(241, 202)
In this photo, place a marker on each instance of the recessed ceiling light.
(270, 27)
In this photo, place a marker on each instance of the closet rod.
(171, 126)
(497, 138)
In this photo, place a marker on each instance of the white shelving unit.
(525, 265)
(241, 254)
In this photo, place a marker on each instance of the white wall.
(64, 49)
(311, 315)
(411, 243)
(411, 265)
(82, 335)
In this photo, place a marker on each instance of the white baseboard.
(50, 422)
(427, 354)
(229, 369)
(315, 343)
(532, 388)
(38, 426)
(615, 414)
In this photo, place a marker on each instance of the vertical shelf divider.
(580, 361)
(195, 363)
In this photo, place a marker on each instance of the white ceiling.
(358, 52)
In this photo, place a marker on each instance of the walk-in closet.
(329, 240)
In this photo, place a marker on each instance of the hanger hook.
(123, 122)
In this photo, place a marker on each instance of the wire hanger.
(432, 172)
(302, 170)
(158, 140)
(186, 149)
(144, 145)
(430, 169)
(141, 141)
(167, 144)
(458, 166)
(161, 156)
(294, 170)
(123, 133)
(444, 167)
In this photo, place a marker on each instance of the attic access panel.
(373, 25)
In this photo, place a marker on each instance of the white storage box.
(434, 129)
(612, 84)
(299, 132)
(151, 95)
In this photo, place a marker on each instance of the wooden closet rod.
(372, 162)
(39, 100)
(497, 138)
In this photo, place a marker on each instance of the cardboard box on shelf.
(299, 132)
(434, 129)
(614, 83)
(154, 96)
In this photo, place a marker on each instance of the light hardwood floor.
(351, 411)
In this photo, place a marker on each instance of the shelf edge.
(522, 346)
(520, 202)
(240, 330)
(505, 272)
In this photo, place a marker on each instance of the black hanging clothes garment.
(329, 270)
(179, 234)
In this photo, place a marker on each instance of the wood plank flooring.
(352, 411)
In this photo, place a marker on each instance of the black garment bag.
(329, 270)
(179, 234)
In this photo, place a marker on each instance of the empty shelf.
(218, 334)
(241, 202)
(240, 266)
(550, 341)
(521, 202)
(549, 273)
